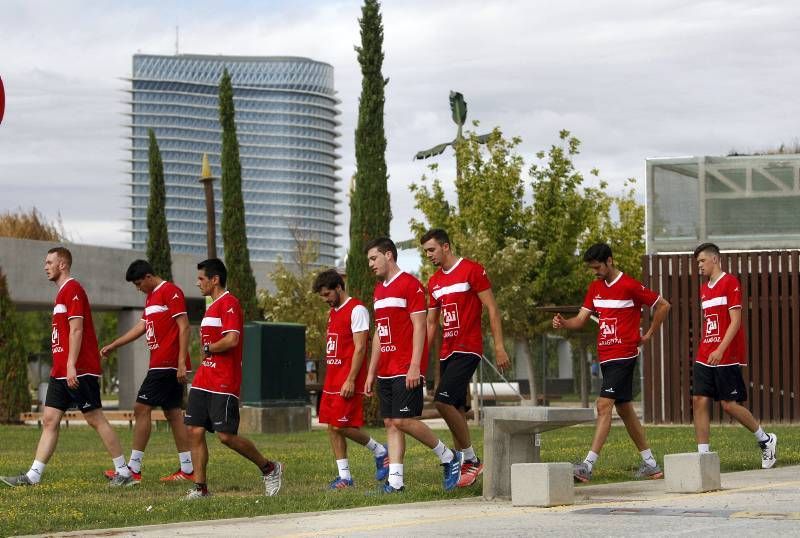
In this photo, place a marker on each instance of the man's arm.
(662, 309)
(418, 346)
(182, 320)
(496, 327)
(359, 351)
(229, 341)
(432, 324)
(374, 357)
(573, 323)
(133, 333)
(75, 339)
(736, 321)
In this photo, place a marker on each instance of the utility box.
(274, 365)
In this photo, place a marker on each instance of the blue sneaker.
(341, 483)
(382, 466)
(388, 488)
(452, 471)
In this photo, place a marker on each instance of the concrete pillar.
(692, 472)
(542, 484)
(133, 359)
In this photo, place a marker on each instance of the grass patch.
(74, 495)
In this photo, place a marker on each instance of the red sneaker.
(470, 470)
(109, 474)
(177, 476)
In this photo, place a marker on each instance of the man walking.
(341, 407)
(166, 326)
(458, 291)
(214, 397)
(717, 371)
(74, 375)
(398, 358)
(618, 299)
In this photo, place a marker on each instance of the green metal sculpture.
(458, 106)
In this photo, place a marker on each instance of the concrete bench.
(511, 435)
(120, 416)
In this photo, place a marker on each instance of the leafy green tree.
(15, 397)
(241, 281)
(370, 213)
(158, 250)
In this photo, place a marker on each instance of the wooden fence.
(771, 319)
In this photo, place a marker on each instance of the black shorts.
(618, 379)
(455, 374)
(161, 388)
(719, 382)
(214, 412)
(397, 401)
(86, 397)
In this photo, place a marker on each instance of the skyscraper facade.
(286, 123)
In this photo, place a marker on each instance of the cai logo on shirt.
(712, 325)
(331, 345)
(450, 313)
(608, 328)
(384, 334)
(54, 336)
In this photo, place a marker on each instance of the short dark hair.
(63, 253)
(138, 269)
(599, 252)
(706, 247)
(214, 267)
(435, 233)
(384, 245)
(328, 279)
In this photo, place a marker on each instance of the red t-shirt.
(455, 294)
(161, 307)
(395, 301)
(619, 305)
(221, 373)
(718, 299)
(349, 318)
(72, 302)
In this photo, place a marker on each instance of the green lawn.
(74, 495)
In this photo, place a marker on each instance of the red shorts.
(338, 411)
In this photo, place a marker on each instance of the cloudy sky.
(631, 79)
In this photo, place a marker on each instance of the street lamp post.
(211, 218)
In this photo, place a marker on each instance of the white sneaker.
(768, 451)
(194, 494)
(272, 481)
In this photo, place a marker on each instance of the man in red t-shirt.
(166, 326)
(459, 290)
(398, 359)
(721, 354)
(341, 407)
(618, 300)
(74, 376)
(214, 397)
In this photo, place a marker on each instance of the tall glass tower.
(286, 123)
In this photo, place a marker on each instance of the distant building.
(286, 123)
(739, 203)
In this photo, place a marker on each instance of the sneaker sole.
(655, 476)
(474, 479)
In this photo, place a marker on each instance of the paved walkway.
(751, 503)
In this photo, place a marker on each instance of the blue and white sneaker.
(382, 465)
(341, 483)
(452, 471)
(389, 489)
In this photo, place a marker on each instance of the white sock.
(344, 469)
(703, 448)
(469, 454)
(445, 454)
(36, 471)
(647, 456)
(186, 462)
(396, 475)
(135, 463)
(760, 435)
(376, 448)
(591, 458)
(120, 466)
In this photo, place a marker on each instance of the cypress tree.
(241, 282)
(158, 251)
(370, 213)
(14, 395)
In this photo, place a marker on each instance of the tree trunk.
(522, 352)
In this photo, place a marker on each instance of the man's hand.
(501, 358)
(369, 384)
(181, 373)
(646, 337)
(412, 377)
(348, 389)
(106, 350)
(558, 322)
(715, 357)
(72, 377)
